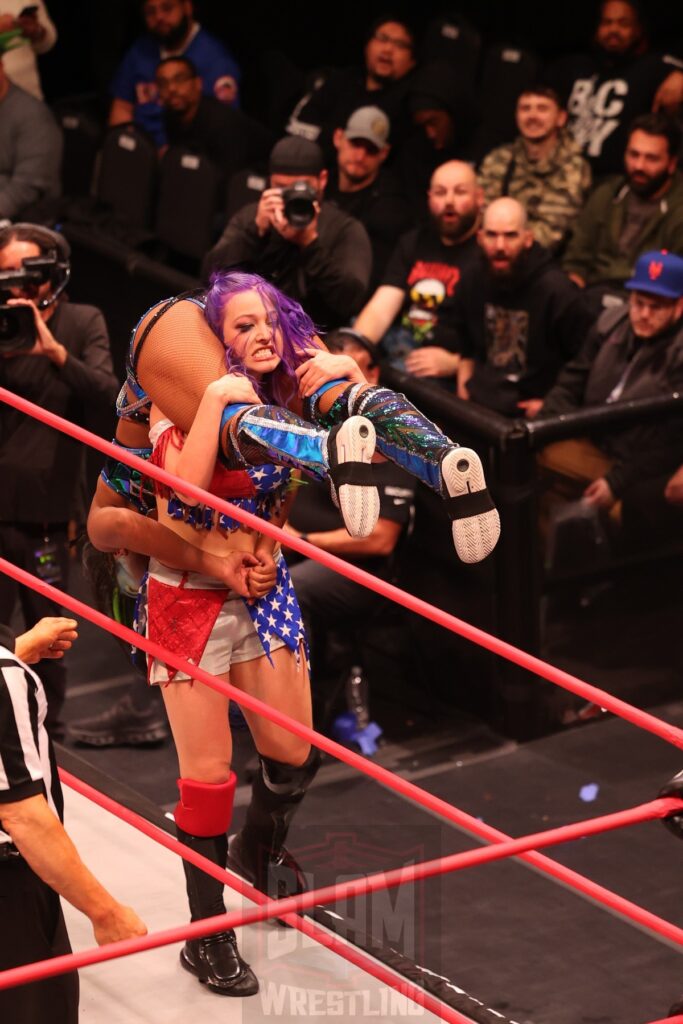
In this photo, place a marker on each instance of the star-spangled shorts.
(233, 638)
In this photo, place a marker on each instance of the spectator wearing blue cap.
(634, 351)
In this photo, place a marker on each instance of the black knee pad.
(288, 780)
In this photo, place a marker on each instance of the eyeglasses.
(400, 44)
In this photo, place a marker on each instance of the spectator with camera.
(171, 31)
(362, 187)
(314, 252)
(30, 151)
(56, 354)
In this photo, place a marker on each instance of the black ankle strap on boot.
(358, 473)
(465, 505)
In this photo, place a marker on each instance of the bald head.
(504, 234)
(455, 201)
(506, 213)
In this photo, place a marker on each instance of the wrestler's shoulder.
(175, 313)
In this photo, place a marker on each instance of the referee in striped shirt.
(38, 861)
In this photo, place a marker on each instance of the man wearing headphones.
(54, 353)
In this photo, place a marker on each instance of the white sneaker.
(476, 524)
(350, 449)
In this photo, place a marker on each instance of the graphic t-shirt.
(603, 97)
(429, 272)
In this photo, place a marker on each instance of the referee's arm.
(41, 839)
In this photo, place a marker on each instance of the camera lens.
(299, 204)
(8, 325)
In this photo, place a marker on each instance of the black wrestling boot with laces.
(215, 960)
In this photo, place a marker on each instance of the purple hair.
(297, 329)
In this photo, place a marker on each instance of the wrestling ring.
(423, 992)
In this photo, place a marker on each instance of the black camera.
(299, 203)
(17, 329)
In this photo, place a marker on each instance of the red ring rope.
(405, 875)
(521, 658)
(526, 661)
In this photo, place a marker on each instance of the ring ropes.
(288, 908)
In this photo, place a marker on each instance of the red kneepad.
(205, 808)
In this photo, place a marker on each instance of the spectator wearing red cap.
(313, 251)
(634, 351)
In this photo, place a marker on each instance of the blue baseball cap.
(658, 273)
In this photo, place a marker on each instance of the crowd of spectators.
(500, 262)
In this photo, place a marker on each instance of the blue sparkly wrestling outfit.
(260, 441)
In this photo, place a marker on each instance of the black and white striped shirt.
(27, 764)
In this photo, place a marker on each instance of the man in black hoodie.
(517, 317)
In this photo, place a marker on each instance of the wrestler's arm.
(196, 460)
(323, 367)
(263, 576)
(113, 526)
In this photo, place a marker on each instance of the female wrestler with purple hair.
(237, 435)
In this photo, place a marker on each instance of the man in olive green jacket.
(631, 214)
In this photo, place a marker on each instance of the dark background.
(94, 35)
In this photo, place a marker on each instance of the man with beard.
(313, 251)
(543, 168)
(517, 317)
(382, 81)
(617, 80)
(634, 351)
(228, 137)
(171, 31)
(627, 215)
(411, 313)
(362, 187)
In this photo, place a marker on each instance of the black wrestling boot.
(215, 960)
(257, 852)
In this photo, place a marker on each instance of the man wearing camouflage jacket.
(543, 168)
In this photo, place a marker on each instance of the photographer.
(56, 354)
(313, 251)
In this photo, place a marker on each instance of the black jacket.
(518, 331)
(613, 356)
(40, 467)
(329, 278)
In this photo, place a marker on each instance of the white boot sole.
(359, 505)
(476, 536)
